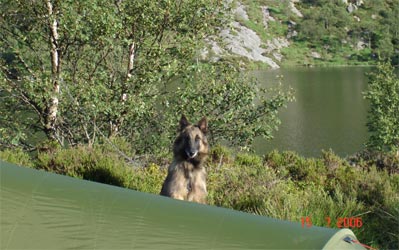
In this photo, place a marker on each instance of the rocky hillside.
(308, 32)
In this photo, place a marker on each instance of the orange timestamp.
(341, 222)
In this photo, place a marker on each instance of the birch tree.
(74, 70)
(30, 69)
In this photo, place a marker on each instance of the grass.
(279, 185)
(299, 53)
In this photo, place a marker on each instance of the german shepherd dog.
(186, 179)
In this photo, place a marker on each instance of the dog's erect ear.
(183, 122)
(203, 125)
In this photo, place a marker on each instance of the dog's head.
(192, 144)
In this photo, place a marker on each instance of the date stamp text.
(341, 222)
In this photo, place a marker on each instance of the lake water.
(329, 112)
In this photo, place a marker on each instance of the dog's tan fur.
(186, 179)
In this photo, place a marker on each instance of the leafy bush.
(383, 120)
(220, 154)
(17, 156)
(148, 179)
(249, 160)
(93, 164)
(237, 108)
(388, 161)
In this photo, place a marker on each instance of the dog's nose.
(191, 153)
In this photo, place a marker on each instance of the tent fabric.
(42, 210)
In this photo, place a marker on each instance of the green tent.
(41, 210)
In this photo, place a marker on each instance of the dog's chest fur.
(190, 172)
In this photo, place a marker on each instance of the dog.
(186, 179)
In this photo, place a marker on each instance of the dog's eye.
(197, 138)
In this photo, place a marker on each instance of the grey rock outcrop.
(240, 12)
(294, 9)
(242, 41)
(266, 16)
(245, 42)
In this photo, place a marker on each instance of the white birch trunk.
(52, 108)
(114, 125)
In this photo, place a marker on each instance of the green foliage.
(331, 160)
(340, 37)
(383, 120)
(288, 186)
(148, 179)
(255, 21)
(328, 26)
(119, 66)
(220, 154)
(113, 59)
(238, 110)
(250, 160)
(16, 156)
(388, 161)
(324, 24)
(86, 163)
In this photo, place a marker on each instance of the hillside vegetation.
(314, 32)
